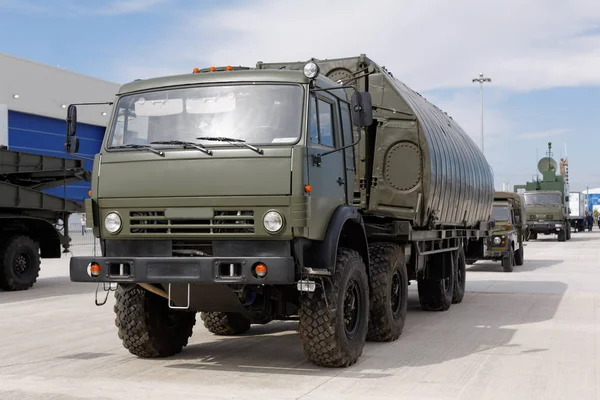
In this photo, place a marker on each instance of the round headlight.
(497, 240)
(311, 70)
(273, 221)
(112, 222)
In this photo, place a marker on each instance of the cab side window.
(320, 127)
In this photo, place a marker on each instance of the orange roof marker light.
(212, 69)
(90, 193)
(196, 70)
(229, 68)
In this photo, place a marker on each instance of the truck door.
(327, 179)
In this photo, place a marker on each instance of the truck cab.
(547, 214)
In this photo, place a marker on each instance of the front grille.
(224, 222)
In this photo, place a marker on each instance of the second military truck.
(313, 191)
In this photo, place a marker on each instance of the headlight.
(558, 225)
(273, 221)
(497, 240)
(112, 222)
(311, 70)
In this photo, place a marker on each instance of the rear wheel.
(437, 294)
(460, 279)
(19, 263)
(225, 324)
(334, 319)
(389, 292)
(147, 326)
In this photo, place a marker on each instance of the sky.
(543, 57)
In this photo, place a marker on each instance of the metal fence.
(82, 236)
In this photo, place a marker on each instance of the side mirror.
(72, 145)
(362, 109)
(71, 120)
(72, 141)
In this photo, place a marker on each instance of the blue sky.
(543, 60)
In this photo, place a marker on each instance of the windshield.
(542, 199)
(500, 213)
(259, 114)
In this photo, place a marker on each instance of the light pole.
(481, 80)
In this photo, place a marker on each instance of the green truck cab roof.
(221, 77)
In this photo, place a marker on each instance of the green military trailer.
(547, 202)
(308, 190)
(505, 243)
(29, 218)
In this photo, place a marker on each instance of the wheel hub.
(21, 263)
(396, 292)
(352, 306)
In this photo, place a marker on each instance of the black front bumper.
(200, 270)
(545, 227)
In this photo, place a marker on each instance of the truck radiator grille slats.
(224, 222)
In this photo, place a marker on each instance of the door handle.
(340, 181)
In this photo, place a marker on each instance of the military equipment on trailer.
(252, 194)
(546, 201)
(29, 218)
(505, 243)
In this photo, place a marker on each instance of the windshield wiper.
(198, 146)
(139, 147)
(233, 141)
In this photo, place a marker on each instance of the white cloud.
(428, 44)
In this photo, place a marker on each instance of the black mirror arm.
(317, 158)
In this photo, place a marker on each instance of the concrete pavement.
(529, 334)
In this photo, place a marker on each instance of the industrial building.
(33, 107)
(592, 197)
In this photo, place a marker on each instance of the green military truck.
(308, 190)
(505, 243)
(30, 220)
(547, 202)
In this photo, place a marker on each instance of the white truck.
(577, 211)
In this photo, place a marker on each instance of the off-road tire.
(568, 232)
(436, 294)
(508, 260)
(19, 252)
(225, 324)
(321, 323)
(562, 235)
(389, 292)
(519, 255)
(460, 280)
(142, 317)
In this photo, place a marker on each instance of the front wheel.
(147, 326)
(508, 260)
(334, 319)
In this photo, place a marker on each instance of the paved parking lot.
(530, 334)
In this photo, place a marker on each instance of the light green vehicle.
(505, 243)
(308, 191)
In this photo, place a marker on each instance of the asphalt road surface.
(529, 334)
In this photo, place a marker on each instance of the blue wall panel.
(42, 135)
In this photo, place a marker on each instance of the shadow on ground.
(484, 322)
(48, 287)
